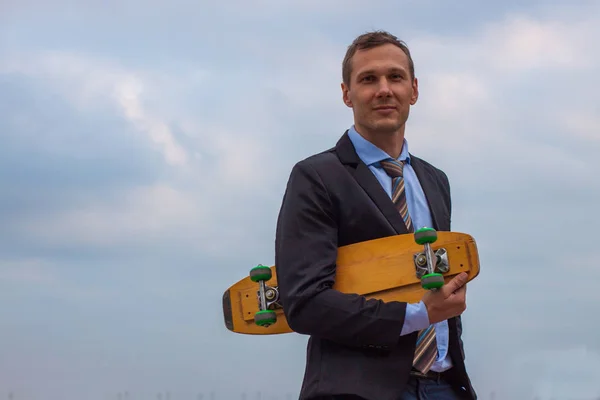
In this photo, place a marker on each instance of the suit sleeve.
(305, 259)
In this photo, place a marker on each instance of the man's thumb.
(456, 283)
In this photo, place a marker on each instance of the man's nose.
(383, 88)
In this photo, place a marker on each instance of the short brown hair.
(367, 41)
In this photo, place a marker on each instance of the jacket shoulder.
(318, 160)
(320, 163)
(427, 166)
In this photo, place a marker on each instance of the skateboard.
(394, 268)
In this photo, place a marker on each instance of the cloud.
(551, 373)
(520, 44)
(506, 100)
(584, 126)
(25, 271)
(143, 212)
(128, 97)
(215, 162)
(88, 83)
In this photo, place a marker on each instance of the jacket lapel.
(431, 192)
(365, 178)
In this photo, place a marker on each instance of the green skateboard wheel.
(265, 318)
(260, 273)
(425, 235)
(432, 281)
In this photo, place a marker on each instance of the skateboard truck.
(267, 296)
(441, 258)
(430, 280)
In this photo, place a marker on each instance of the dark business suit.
(332, 199)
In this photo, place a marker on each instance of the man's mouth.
(380, 108)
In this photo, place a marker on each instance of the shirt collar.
(371, 154)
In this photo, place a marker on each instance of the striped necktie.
(426, 350)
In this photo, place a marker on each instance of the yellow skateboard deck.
(392, 268)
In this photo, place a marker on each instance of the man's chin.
(386, 126)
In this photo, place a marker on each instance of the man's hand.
(448, 301)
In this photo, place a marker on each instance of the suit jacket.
(332, 199)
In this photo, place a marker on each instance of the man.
(368, 186)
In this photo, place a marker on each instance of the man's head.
(379, 82)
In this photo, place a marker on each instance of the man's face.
(381, 90)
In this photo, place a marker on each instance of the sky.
(145, 148)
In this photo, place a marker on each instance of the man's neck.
(390, 142)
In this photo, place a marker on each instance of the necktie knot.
(393, 167)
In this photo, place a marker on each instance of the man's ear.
(415, 96)
(345, 97)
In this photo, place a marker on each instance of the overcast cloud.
(145, 147)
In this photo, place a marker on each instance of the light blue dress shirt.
(416, 314)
